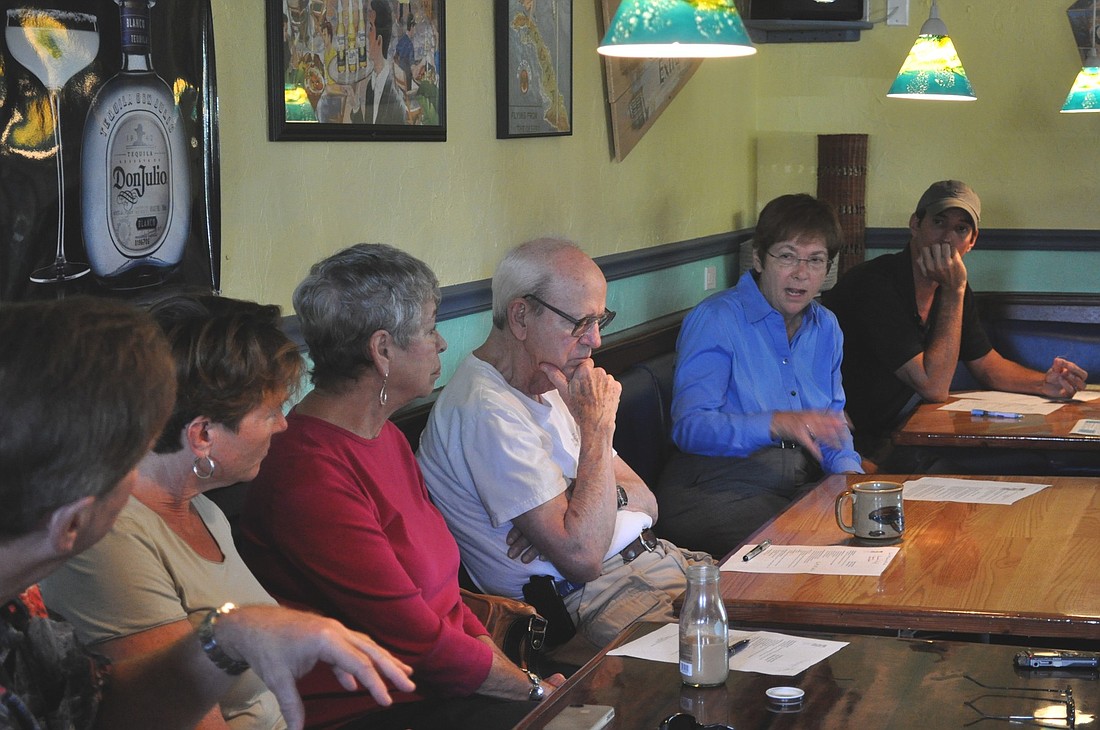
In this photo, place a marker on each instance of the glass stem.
(55, 109)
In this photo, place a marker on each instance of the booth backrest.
(1033, 329)
(643, 425)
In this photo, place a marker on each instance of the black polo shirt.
(876, 305)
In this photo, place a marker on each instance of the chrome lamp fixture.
(1085, 94)
(932, 70)
(676, 29)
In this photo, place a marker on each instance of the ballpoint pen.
(738, 646)
(995, 414)
(756, 551)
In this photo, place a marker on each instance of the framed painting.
(356, 70)
(534, 68)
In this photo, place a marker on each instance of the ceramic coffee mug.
(877, 512)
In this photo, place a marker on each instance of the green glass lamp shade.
(932, 71)
(676, 29)
(1085, 94)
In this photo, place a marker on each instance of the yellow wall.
(1032, 167)
(461, 203)
(742, 131)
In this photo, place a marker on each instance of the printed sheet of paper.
(995, 400)
(1087, 427)
(818, 559)
(1037, 407)
(974, 491)
(767, 652)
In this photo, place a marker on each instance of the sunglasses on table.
(584, 324)
(684, 721)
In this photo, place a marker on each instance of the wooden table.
(931, 426)
(874, 682)
(1031, 569)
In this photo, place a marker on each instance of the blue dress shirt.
(735, 368)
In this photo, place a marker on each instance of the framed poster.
(110, 180)
(356, 70)
(534, 68)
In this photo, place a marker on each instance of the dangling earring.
(382, 395)
(203, 466)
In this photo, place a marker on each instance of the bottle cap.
(785, 695)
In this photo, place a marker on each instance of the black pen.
(738, 646)
(756, 551)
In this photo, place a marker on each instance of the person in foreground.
(339, 521)
(85, 386)
(169, 559)
(757, 402)
(517, 454)
(910, 317)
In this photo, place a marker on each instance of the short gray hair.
(352, 294)
(526, 269)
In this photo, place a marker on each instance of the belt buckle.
(649, 540)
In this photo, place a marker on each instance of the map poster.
(534, 68)
(638, 90)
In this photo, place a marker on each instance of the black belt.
(787, 445)
(646, 542)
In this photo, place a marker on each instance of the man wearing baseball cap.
(909, 318)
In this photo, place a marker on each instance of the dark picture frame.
(534, 68)
(319, 91)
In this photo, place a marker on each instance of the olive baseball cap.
(951, 194)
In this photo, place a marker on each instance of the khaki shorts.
(641, 590)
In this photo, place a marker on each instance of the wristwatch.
(620, 495)
(537, 690)
(209, 643)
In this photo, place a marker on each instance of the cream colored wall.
(459, 204)
(1032, 167)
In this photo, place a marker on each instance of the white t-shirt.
(490, 453)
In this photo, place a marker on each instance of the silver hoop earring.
(382, 395)
(203, 466)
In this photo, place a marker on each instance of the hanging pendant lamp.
(676, 29)
(932, 70)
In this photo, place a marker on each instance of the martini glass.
(54, 45)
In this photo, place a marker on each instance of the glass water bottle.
(704, 629)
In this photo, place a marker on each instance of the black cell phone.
(1056, 658)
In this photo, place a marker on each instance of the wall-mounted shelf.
(805, 31)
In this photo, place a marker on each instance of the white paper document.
(1037, 407)
(975, 491)
(767, 652)
(819, 559)
(1001, 402)
(1087, 427)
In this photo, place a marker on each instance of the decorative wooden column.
(842, 181)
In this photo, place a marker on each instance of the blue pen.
(995, 414)
(738, 646)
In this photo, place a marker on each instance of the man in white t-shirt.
(517, 454)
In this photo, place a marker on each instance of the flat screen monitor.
(805, 10)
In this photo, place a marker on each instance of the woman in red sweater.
(339, 520)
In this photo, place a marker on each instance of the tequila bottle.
(135, 181)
